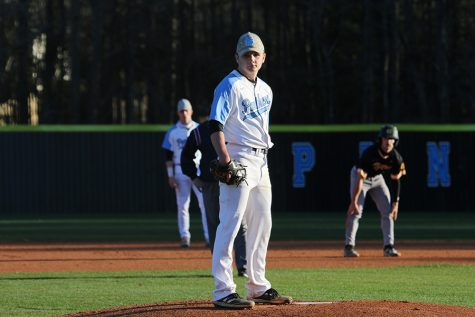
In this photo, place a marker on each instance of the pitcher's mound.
(297, 309)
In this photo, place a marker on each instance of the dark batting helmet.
(389, 132)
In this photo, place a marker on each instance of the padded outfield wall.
(74, 170)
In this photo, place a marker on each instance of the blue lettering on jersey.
(304, 160)
(181, 143)
(250, 109)
(438, 164)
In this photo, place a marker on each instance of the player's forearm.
(169, 163)
(395, 190)
(357, 190)
(219, 144)
(169, 166)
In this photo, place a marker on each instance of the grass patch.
(286, 226)
(49, 294)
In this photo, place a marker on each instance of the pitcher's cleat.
(272, 297)
(234, 301)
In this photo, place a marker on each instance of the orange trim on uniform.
(402, 172)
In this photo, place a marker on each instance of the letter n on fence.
(438, 164)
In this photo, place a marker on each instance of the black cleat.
(271, 296)
(234, 301)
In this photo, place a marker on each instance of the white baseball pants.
(183, 195)
(252, 201)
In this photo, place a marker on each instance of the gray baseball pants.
(378, 190)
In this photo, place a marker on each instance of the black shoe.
(389, 250)
(271, 296)
(185, 242)
(243, 273)
(234, 301)
(350, 252)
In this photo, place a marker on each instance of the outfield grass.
(286, 226)
(50, 294)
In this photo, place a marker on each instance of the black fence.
(440, 170)
(74, 173)
(83, 172)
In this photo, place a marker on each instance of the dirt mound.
(298, 308)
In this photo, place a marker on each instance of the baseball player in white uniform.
(239, 129)
(173, 144)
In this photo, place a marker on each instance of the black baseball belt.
(263, 151)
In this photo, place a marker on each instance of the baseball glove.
(233, 173)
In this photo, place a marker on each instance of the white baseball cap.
(249, 42)
(184, 104)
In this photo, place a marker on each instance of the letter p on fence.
(304, 160)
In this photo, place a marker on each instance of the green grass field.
(50, 294)
(53, 294)
(286, 226)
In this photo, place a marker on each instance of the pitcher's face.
(250, 63)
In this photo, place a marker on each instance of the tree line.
(328, 61)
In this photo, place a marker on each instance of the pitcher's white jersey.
(175, 139)
(243, 108)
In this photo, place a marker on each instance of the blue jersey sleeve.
(166, 141)
(221, 106)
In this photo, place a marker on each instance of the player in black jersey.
(367, 178)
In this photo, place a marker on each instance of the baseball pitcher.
(239, 129)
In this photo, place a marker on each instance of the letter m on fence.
(438, 164)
